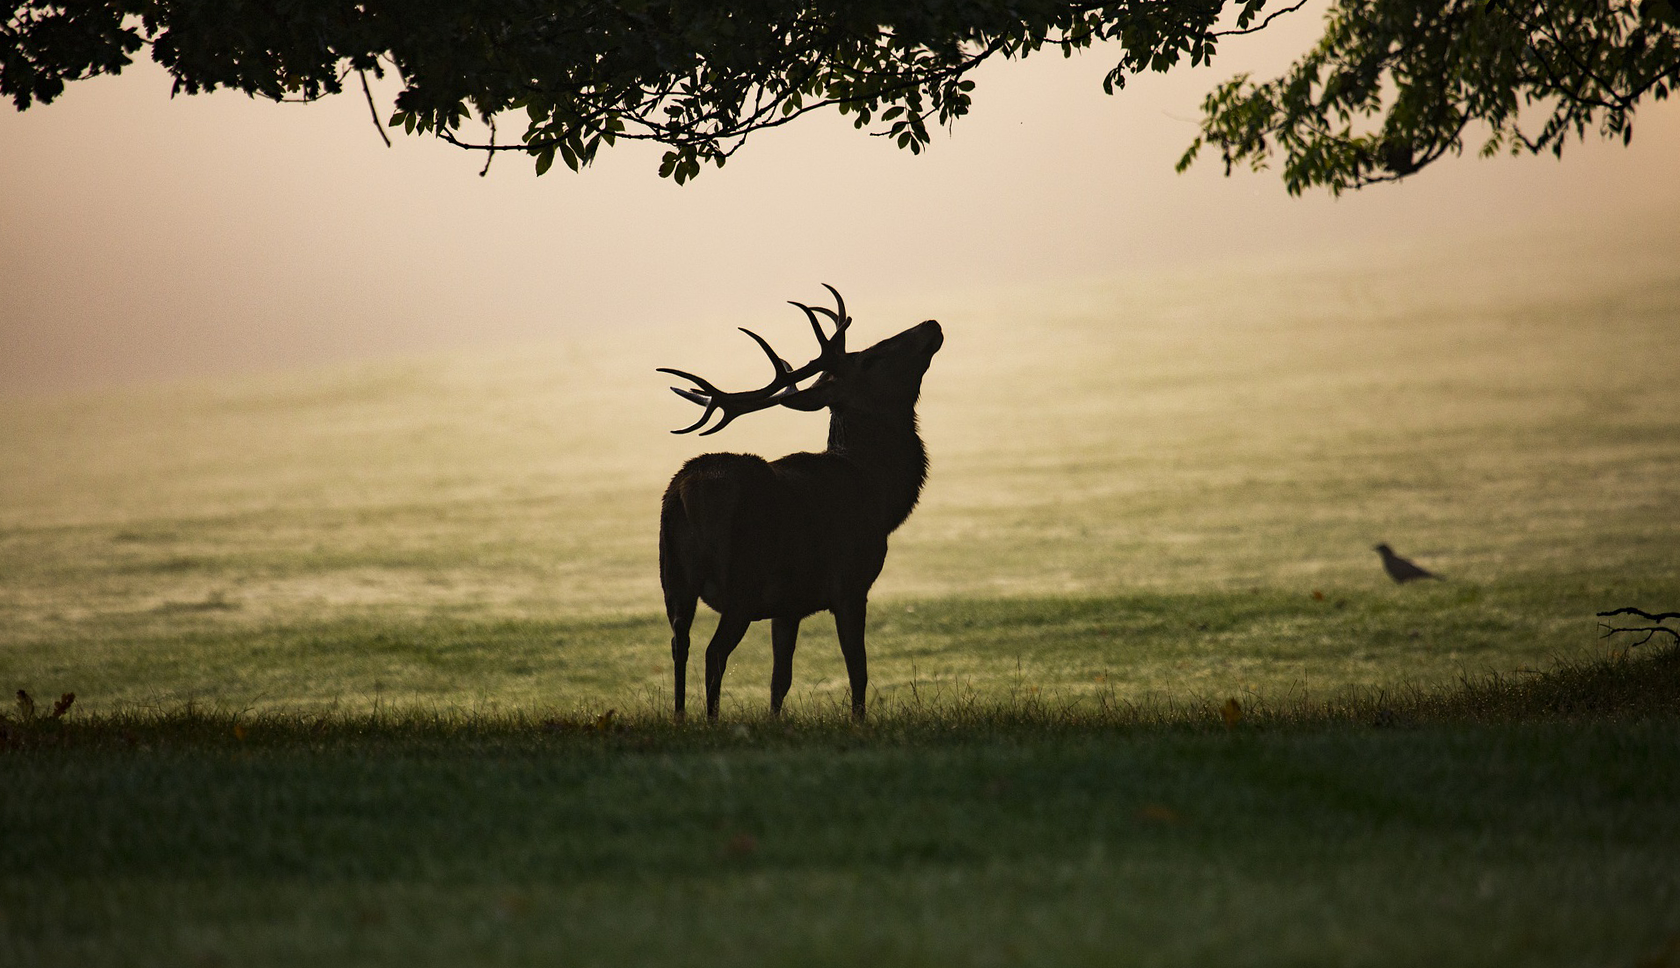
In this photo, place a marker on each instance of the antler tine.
(701, 382)
(816, 326)
(782, 366)
(728, 415)
(838, 314)
(708, 398)
(696, 425)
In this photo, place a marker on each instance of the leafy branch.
(697, 77)
(1395, 84)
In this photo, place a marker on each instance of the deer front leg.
(784, 635)
(730, 628)
(848, 623)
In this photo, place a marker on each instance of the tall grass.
(1504, 822)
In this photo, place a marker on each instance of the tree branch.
(1649, 630)
(373, 111)
(1647, 616)
(1262, 25)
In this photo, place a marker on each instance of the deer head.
(885, 377)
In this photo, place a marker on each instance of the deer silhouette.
(784, 539)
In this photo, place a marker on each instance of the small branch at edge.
(374, 111)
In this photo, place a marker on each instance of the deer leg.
(784, 635)
(682, 594)
(848, 623)
(680, 603)
(730, 628)
(679, 659)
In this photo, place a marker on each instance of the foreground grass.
(1509, 821)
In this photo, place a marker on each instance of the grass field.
(1519, 823)
(341, 641)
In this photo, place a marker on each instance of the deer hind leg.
(682, 596)
(784, 635)
(680, 604)
(848, 624)
(681, 617)
(731, 627)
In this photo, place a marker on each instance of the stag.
(784, 539)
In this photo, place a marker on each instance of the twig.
(374, 111)
(1649, 630)
(1647, 616)
(1262, 24)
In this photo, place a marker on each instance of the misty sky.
(146, 238)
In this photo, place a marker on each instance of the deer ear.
(811, 398)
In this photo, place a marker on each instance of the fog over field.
(260, 375)
(1499, 408)
(150, 238)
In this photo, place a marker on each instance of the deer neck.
(888, 450)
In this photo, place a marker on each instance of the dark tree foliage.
(1396, 84)
(695, 75)
(1392, 86)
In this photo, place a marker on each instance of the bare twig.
(1649, 630)
(374, 111)
(1647, 616)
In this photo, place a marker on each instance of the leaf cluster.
(1395, 84)
(697, 77)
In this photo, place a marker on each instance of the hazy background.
(145, 238)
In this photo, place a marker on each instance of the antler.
(785, 381)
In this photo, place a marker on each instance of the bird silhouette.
(1398, 568)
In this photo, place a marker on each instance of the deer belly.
(774, 593)
(783, 586)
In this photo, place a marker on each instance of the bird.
(1399, 569)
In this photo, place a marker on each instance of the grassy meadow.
(369, 662)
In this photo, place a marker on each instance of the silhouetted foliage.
(696, 76)
(1395, 84)
(700, 77)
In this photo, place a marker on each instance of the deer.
(784, 539)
